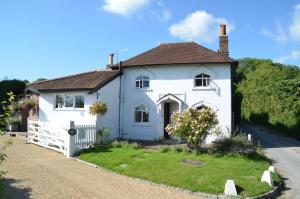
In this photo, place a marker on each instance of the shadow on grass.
(9, 191)
(103, 148)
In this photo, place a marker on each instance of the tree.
(269, 93)
(40, 79)
(193, 125)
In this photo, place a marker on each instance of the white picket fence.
(57, 138)
(86, 135)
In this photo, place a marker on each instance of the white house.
(142, 92)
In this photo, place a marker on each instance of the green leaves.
(269, 93)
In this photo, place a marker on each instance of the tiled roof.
(89, 81)
(177, 53)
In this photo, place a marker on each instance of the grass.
(166, 167)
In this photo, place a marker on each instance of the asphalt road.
(286, 155)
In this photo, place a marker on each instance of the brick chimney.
(111, 59)
(223, 41)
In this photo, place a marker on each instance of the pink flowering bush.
(193, 125)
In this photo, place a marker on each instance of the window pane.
(59, 101)
(198, 82)
(69, 101)
(79, 101)
(138, 116)
(145, 117)
(204, 81)
(146, 83)
(137, 83)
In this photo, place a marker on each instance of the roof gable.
(177, 53)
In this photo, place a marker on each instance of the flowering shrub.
(98, 108)
(193, 125)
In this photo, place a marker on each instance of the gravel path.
(35, 172)
(285, 152)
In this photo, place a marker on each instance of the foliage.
(40, 79)
(30, 103)
(168, 168)
(193, 125)
(164, 149)
(103, 134)
(6, 110)
(13, 120)
(233, 146)
(15, 86)
(269, 94)
(98, 108)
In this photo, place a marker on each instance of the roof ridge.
(67, 76)
(63, 77)
(226, 57)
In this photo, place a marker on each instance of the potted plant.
(13, 123)
(30, 103)
(98, 108)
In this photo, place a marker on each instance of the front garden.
(190, 165)
(207, 173)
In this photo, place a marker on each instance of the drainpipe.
(120, 99)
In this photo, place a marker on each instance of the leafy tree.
(193, 125)
(40, 79)
(269, 93)
(7, 112)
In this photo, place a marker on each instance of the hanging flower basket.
(98, 108)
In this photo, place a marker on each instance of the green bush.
(233, 145)
(177, 148)
(164, 149)
(103, 135)
(116, 144)
(13, 120)
(268, 93)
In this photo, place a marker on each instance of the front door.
(167, 119)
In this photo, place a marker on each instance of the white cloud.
(292, 56)
(124, 7)
(161, 13)
(200, 26)
(295, 26)
(278, 35)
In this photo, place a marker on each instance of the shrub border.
(269, 195)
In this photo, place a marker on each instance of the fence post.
(70, 141)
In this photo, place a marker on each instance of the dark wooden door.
(166, 119)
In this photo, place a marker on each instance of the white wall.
(109, 94)
(177, 80)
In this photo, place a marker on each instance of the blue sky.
(53, 38)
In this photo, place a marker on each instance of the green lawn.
(168, 168)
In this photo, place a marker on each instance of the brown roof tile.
(177, 53)
(89, 81)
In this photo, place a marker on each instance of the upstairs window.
(141, 114)
(142, 82)
(202, 80)
(69, 101)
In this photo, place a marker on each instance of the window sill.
(141, 124)
(68, 109)
(143, 89)
(202, 88)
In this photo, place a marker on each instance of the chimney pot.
(111, 59)
(222, 29)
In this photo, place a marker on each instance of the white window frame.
(146, 110)
(73, 100)
(208, 80)
(141, 79)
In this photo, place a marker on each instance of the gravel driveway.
(36, 172)
(286, 154)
